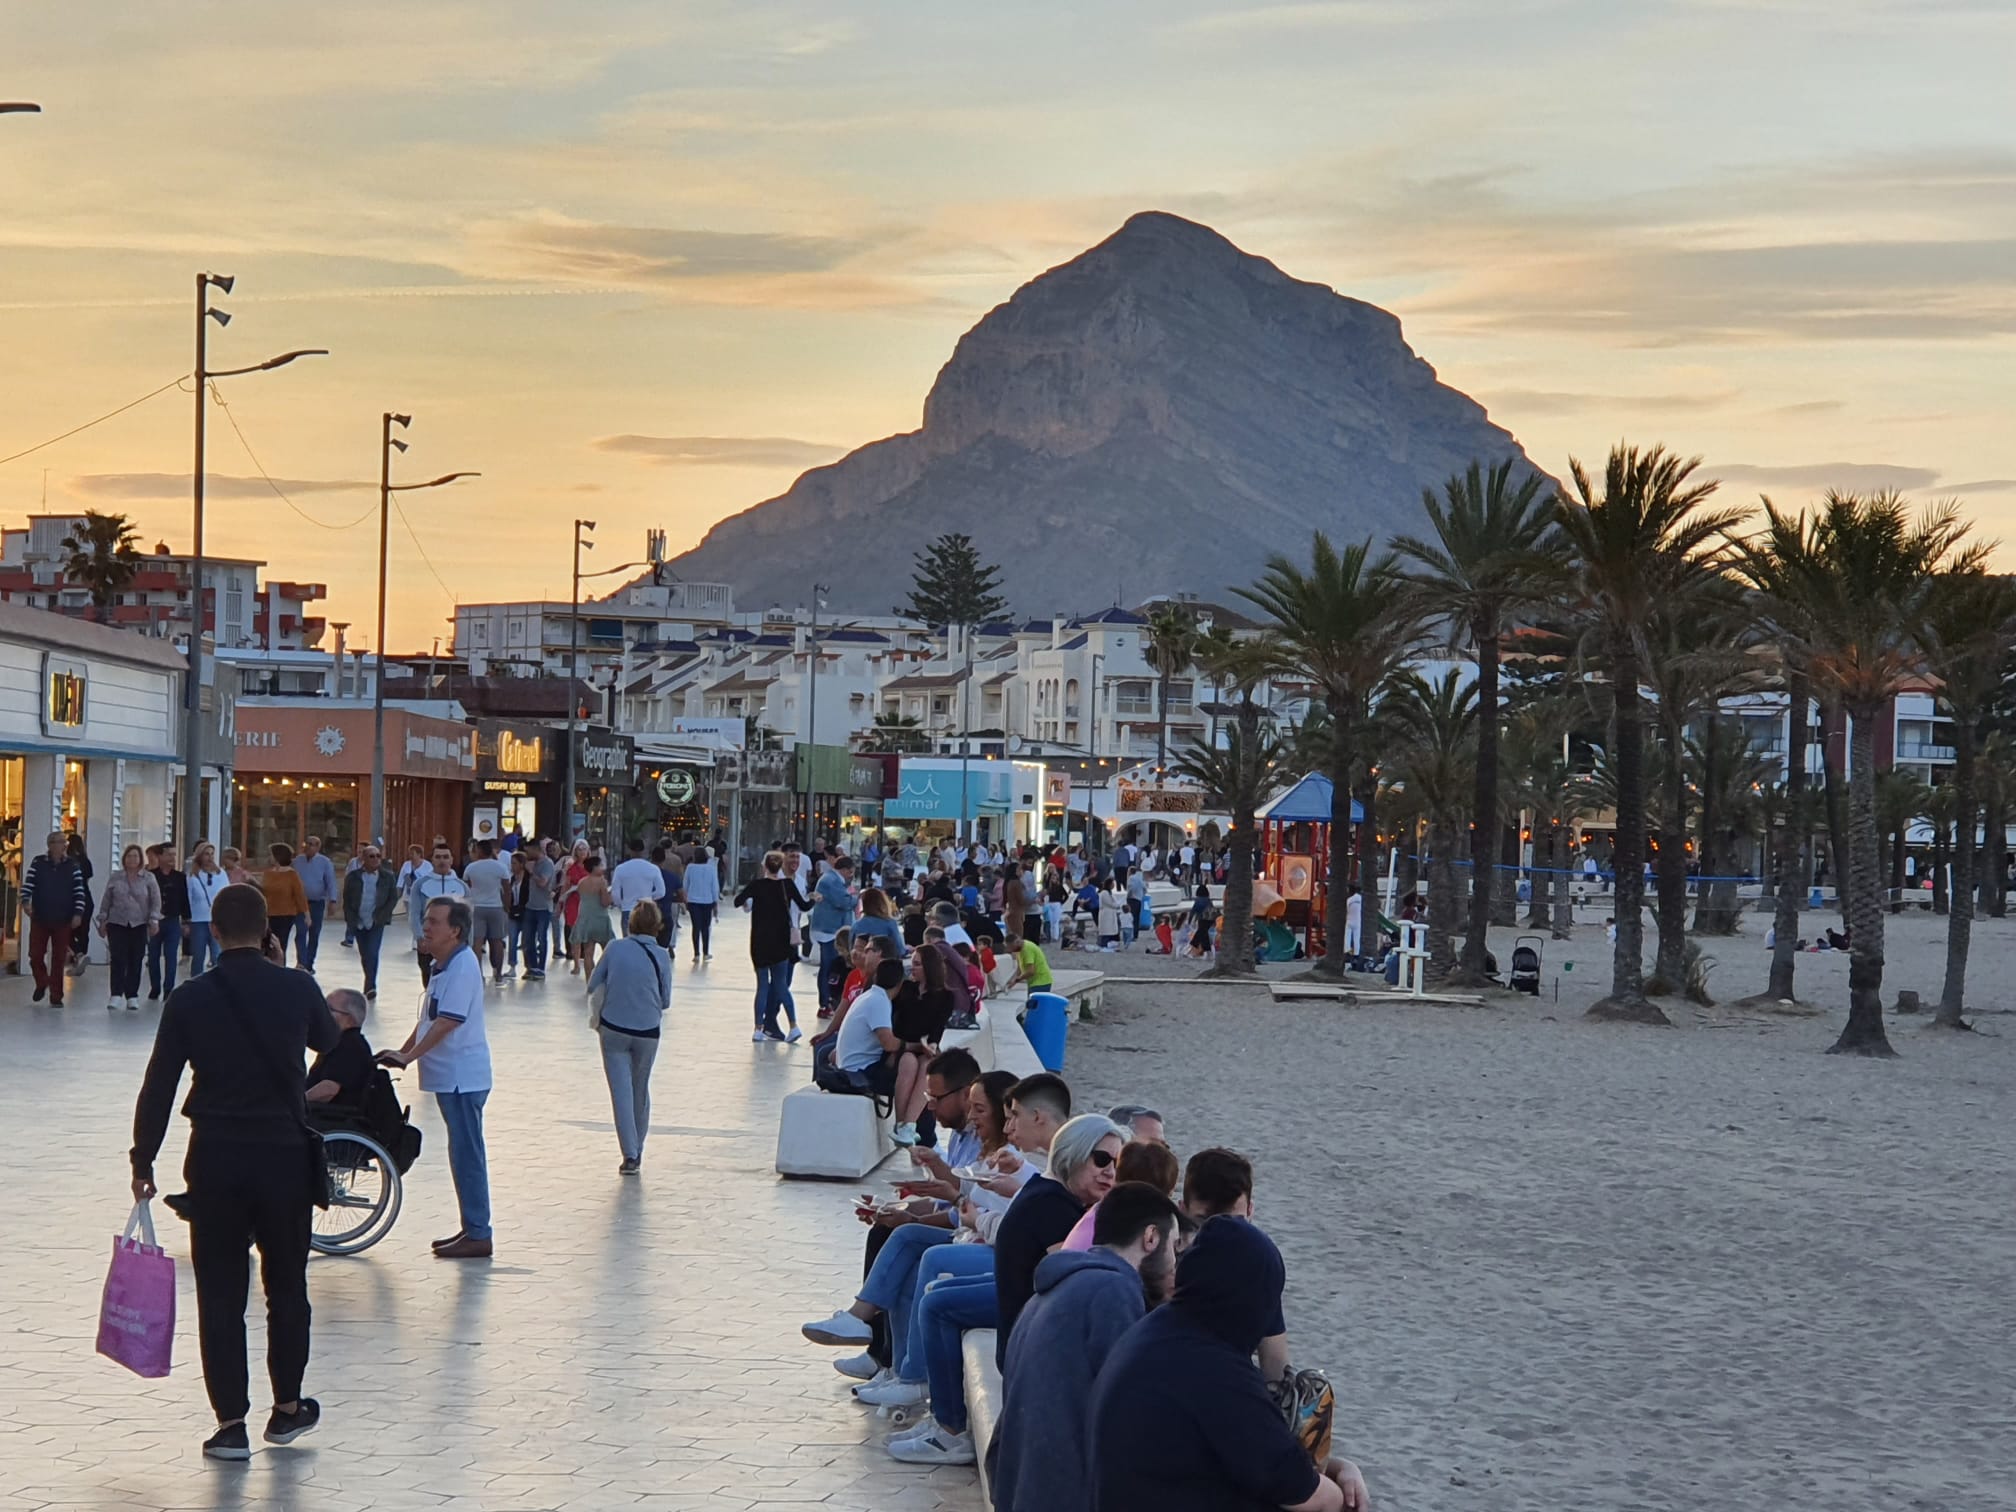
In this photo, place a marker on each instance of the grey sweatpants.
(626, 1061)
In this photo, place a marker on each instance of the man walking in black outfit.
(243, 1029)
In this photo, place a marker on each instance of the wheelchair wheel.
(365, 1194)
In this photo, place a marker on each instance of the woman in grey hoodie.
(634, 978)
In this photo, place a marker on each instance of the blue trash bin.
(1044, 1022)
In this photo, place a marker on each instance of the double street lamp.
(192, 804)
(581, 544)
(386, 488)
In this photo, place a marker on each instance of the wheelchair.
(369, 1148)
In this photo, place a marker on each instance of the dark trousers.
(281, 927)
(49, 950)
(773, 991)
(702, 915)
(828, 950)
(426, 966)
(245, 1194)
(538, 927)
(164, 954)
(310, 939)
(369, 942)
(127, 944)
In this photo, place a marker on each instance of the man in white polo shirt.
(631, 883)
(454, 1056)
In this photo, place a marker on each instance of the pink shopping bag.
(136, 1322)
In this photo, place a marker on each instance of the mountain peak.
(1155, 415)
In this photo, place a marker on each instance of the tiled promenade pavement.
(633, 1344)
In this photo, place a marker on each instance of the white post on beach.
(1414, 958)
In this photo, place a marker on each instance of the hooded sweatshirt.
(1084, 1301)
(1180, 1419)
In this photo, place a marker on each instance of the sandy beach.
(1551, 1263)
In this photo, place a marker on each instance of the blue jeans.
(537, 924)
(202, 946)
(773, 991)
(369, 942)
(945, 1311)
(827, 951)
(892, 1279)
(512, 930)
(308, 937)
(468, 1161)
(164, 947)
(952, 1265)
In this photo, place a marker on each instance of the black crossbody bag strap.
(319, 1191)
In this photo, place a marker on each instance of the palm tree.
(1901, 801)
(1435, 761)
(1995, 766)
(1237, 778)
(895, 732)
(1967, 640)
(1345, 622)
(1640, 546)
(1482, 566)
(1541, 780)
(1170, 645)
(104, 556)
(1732, 777)
(1863, 599)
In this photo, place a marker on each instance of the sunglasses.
(1104, 1158)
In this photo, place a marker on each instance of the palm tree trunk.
(1364, 858)
(1837, 812)
(1863, 1034)
(1669, 968)
(1564, 898)
(1994, 839)
(1235, 927)
(1343, 769)
(1893, 894)
(1442, 908)
(1162, 726)
(1704, 905)
(1484, 806)
(1960, 893)
(1793, 871)
(1627, 998)
(1539, 909)
(1942, 853)
(1407, 877)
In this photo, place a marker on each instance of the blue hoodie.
(1180, 1419)
(1085, 1300)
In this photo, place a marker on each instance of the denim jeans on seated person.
(948, 1307)
(956, 1263)
(892, 1279)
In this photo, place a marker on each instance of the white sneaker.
(860, 1367)
(896, 1393)
(842, 1328)
(756, 1038)
(795, 1035)
(904, 1134)
(941, 1446)
(881, 1377)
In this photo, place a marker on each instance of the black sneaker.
(154, 993)
(228, 1444)
(41, 993)
(285, 1427)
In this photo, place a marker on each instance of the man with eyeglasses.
(368, 900)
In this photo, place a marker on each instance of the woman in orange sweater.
(286, 899)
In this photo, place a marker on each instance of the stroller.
(1526, 965)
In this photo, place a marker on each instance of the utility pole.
(812, 717)
(573, 655)
(965, 733)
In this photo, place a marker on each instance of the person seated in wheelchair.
(340, 1077)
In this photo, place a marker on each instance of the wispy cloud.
(1809, 407)
(1849, 477)
(154, 485)
(1983, 485)
(722, 451)
(1566, 402)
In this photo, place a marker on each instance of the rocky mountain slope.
(1155, 416)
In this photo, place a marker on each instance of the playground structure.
(1295, 861)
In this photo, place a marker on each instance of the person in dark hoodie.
(1180, 1418)
(1085, 1300)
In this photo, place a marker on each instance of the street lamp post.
(573, 654)
(19, 107)
(387, 442)
(192, 734)
(965, 733)
(812, 715)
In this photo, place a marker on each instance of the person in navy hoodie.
(1181, 1420)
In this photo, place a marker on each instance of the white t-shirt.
(857, 1048)
(488, 881)
(633, 881)
(461, 1062)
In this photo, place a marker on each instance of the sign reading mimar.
(518, 755)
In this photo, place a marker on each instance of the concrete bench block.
(830, 1134)
(983, 1395)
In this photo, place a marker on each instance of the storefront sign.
(1056, 789)
(727, 734)
(297, 741)
(838, 772)
(755, 770)
(676, 786)
(1140, 798)
(933, 792)
(505, 788)
(603, 757)
(513, 750)
(64, 682)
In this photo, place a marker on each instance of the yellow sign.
(517, 755)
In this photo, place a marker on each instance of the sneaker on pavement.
(860, 1367)
(842, 1328)
(941, 1446)
(228, 1444)
(896, 1393)
(285, 1427)
(881, 1377)
(795, 1035)
(904, 1134)
(758, 1037)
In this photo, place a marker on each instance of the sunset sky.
(644, 262)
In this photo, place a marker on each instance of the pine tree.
(952, 586)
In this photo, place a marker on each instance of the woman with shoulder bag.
(629, 991)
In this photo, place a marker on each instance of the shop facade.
(304, 768)
(89, 731)
(517, 781)
(605, 786)
(846, 790)
(937, 798)
(754, 794)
